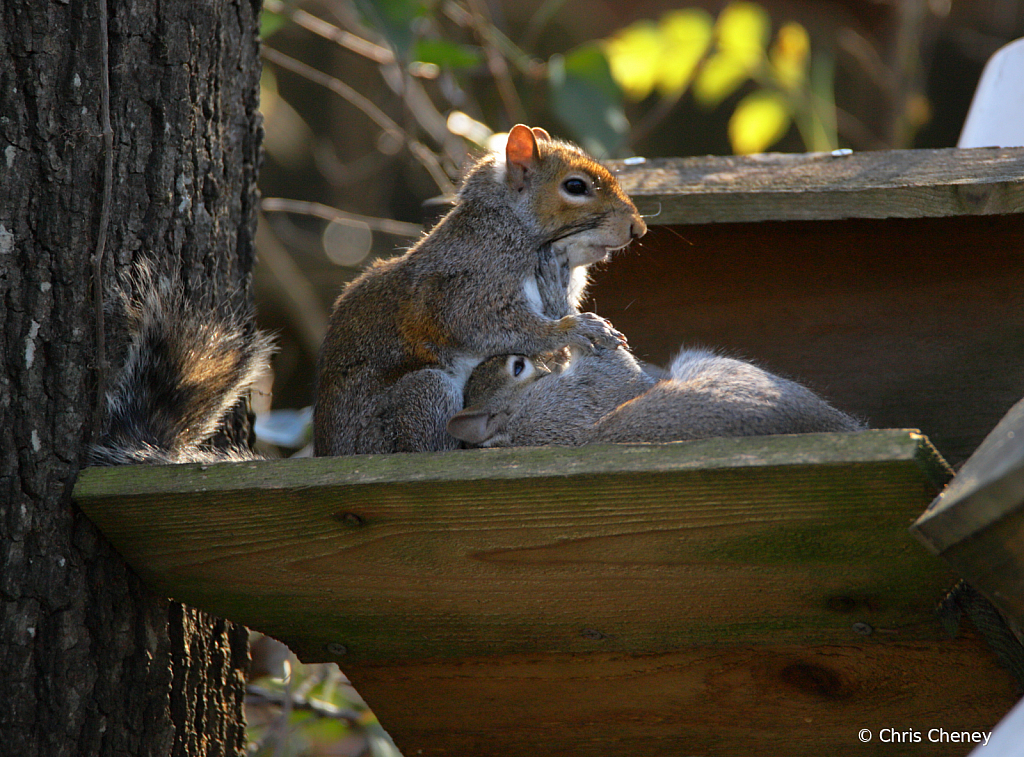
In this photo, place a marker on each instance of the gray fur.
(186, 369)
(609, 397)
(404, 337)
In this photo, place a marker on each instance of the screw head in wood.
(351, 519)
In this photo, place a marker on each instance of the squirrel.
(503, 272)
(516, 400)
(187, 368)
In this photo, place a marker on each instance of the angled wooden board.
(977, 523)
(988, 488)
(826, 186)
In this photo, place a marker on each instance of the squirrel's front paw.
(597, 333)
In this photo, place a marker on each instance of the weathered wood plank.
(988, 488)
(977, 523)
(823, 186)
(709, 700)
(501, 551)
(908, 323)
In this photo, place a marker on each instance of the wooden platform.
(716, 596)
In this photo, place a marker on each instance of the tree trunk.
(93, 663)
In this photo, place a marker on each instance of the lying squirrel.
(503, 272)
(517, 401)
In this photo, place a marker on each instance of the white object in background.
(996, 117)
(1008, 737)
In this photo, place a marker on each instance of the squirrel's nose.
(637, 229)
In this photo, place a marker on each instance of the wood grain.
(977, 523)
(988, 488)
(756, 595)
(500, 551)
(907, 323)
(821, 186)
(709, 700)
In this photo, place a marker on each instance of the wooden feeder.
(758, 595)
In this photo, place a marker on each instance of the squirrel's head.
(561, 194)
(490, 396)
(573, 201)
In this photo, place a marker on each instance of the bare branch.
(318, 26)
(418, 150)
(298, 298)
(260, 695)
(337, 86)
(496, 63)
(327, 213)
(433, 166)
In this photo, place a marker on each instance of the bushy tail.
(186, 368)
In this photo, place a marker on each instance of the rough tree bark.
(92, 663)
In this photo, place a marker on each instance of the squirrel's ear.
(471, 426)
(540, 133)
(521, 153)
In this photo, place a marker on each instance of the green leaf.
(446, 54)
(270, 23)
(760, 120)
(587, 100)
(741, 33)
(325, 731)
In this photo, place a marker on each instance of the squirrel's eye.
(518, 366)
(575, 186)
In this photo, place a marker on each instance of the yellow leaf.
(718, 78)
(760, 120)
(789, 55)
(634, 56)
(685, 36)
(742, 32)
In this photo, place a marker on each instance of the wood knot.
(815, 680)
(851, 603)
(350, 519)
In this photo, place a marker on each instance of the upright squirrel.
(514, 400)
(187, 367)
(503, 272)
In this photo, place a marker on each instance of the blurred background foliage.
(372, 108)
(293, 709)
